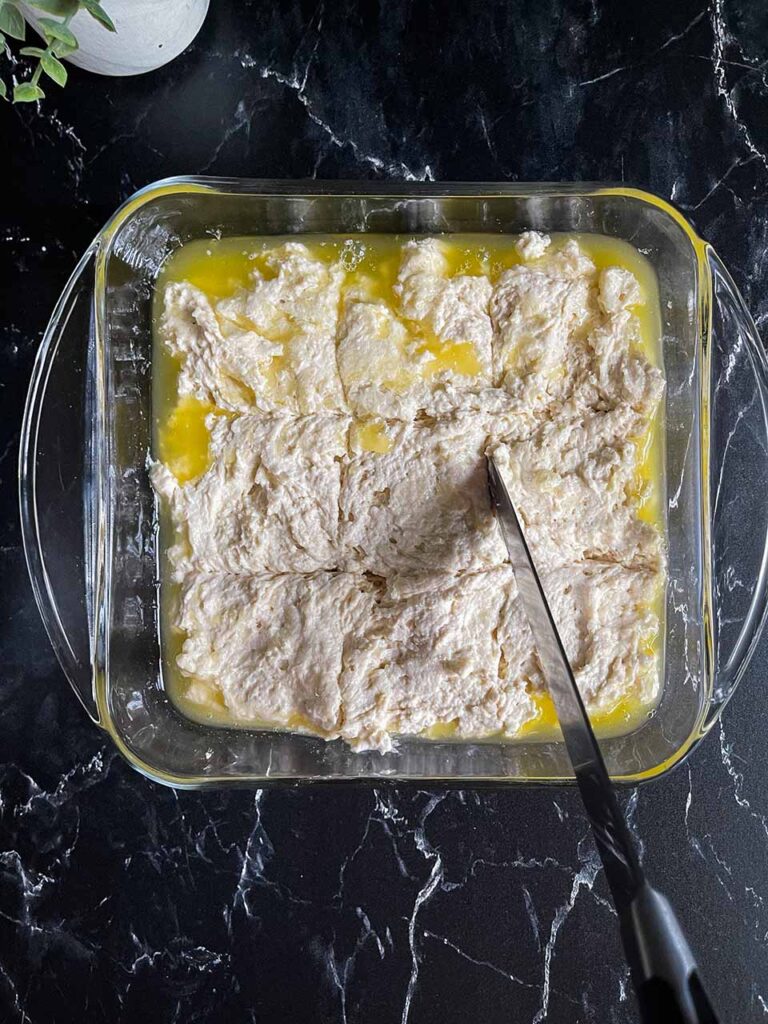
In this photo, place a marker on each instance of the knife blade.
(614, 841)
(663, 969)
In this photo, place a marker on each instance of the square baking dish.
(89, 516)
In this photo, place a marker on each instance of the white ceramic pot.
(150, 33)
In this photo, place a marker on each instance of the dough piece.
(572, 481)
(295, 307)
(233, 373)
(383, 371)
(422, 507)
(451, 312)
(433, 657)
(273, 645)
(532, 245)
(566, 332)
(391, 370)
(269, 501)
(541, 312)
(604, 614)
(620, 375)
(378, 359)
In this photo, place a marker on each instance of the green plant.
(59, 39)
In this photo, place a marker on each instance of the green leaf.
(56, 30)
(3, 91)
(97, 11)
(54, 69)
(11, 22)
(25, 92)
(31, 51)
(62, 49)
(62, 8)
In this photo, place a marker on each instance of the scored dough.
(339, 566)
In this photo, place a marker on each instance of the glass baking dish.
(89, 517)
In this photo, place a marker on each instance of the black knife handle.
(665, 975)
(660, 1005)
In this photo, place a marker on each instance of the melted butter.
(183, 439)
(459, 356)
(375, 273)
(441, 731)
(216, 270)
(628, 714)
(645, 489)
(220, 267)
(372, 437)
(473, 259)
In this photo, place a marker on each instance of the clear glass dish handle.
(57, 485)
(738, 447)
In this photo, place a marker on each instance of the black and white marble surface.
(122, 901)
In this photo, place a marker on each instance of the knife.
(663, 970)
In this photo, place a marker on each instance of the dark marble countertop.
(122, 901)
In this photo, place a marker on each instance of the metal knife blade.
(662, 965)
(614, 841)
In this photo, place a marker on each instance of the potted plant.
(113, 37)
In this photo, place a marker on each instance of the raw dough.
(339, 566)
(274, 644)
(269, 502)
(422, 507)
